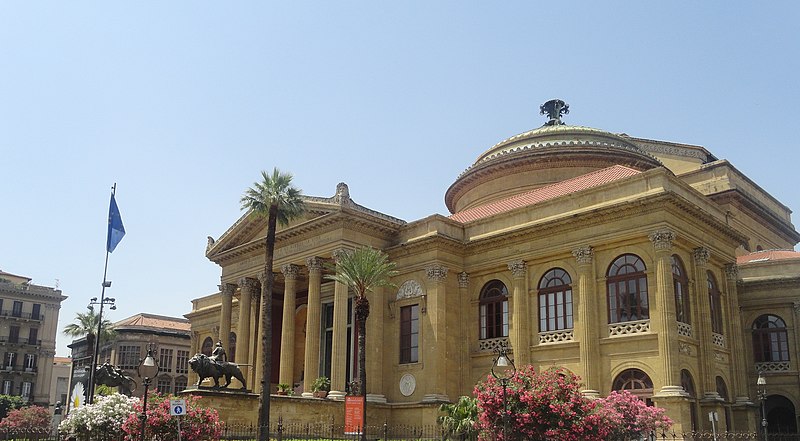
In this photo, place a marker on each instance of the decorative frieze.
(629, 328)
(463, 280)
(563, 336)
(436, 272)
(583, 255)
(518, 268)
(409, 289)
(662, 239)
(291, 271)
(701, 256)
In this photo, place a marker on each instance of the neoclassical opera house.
(637, 264)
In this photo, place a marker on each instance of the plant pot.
(320, 394)
(282, 392)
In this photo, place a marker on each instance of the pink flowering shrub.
(629, 417)
(28, 418)
(197, 424)
(540, 406)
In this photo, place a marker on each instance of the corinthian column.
(246, 288)
(290, 274)
(339, 344)
(586, 323)
(311, 360)
(227, 290)
(519, 330)
(666, 323)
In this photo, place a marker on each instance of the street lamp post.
(148, 369)
(103, 301)
(503, 369)
(761, 385)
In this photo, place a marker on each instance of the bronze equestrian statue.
(110, 376)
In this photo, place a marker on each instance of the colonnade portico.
(249, 332)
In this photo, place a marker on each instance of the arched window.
(722, 391)
(208, 346)
(232, 347)
(555, 301)
(627, 290)
(688, 385)
(681, 283)
(494, 310)
(636, 382)
(770, 339)
(715, 300)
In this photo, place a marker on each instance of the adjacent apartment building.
(638, 264)
(28, 328)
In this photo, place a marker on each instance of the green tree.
(85, 325)
(460, 418)
(9, 403)
(275, 198)
(363, 270)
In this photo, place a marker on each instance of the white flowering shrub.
(101, 420)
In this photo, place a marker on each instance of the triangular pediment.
(251, 228)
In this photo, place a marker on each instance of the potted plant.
(283, 389)
(321, 386)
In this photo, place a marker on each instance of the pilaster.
(706, 351)
(586, 323)
(439, 352)
(519, 331)
(740, 384)
(465, 309)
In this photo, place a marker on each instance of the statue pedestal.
(235, 406)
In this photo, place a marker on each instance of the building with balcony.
(28, 328)
(635, 263)
(168, 338)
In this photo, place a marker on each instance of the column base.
(590, 393)
(435, 398)
(711, 397)
(743, 402)
(336, 395)
(307, 395)
(376, 398)
(671, 391)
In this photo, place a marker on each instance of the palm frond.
(274, 190)
(364, 269)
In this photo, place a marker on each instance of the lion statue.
(206, 367)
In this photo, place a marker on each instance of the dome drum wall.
(541, 157)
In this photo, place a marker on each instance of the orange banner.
(353, 413)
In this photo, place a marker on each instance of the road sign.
(177, 407)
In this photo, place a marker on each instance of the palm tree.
(85, 325)
(363, 270)
(276, 198)
(460, 418)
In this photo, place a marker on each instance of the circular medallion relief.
(407, 384)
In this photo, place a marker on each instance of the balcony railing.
(20, 341)
(21, 315)
(18, 368)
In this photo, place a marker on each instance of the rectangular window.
(10, 358)
(409, 334)
(164, 385)
(326, 346)
(182, 366)
(17, 309)
(30, 361)
(8, 387)
(128, 357)
(165, 360)
(180, 384)
(13, 334)
(27, 387)
(33, 336)
(36, 312)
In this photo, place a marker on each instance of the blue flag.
(115, 229)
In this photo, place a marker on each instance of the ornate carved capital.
(732, 271)
(339, 253)
(518, 268)
(796, 307)
(463, 280)
(314, 264)
(701, 256)
(290, 271)
(436, 273)
(662, 239)
(247, 284)
(583, 255)
(227, 289)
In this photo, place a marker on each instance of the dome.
(552, 153)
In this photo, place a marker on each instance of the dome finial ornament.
(554, 109)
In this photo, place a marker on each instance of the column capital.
(662, 239)
(436, 272)
(463, 280)
(518, 268)
(247, 283)
(732, 271)
(339, 253)
(701, 256)
(262, 277)
(315, 264)
(227, 289)
(583, 255)
(290, 271)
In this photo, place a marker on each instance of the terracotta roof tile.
(552, 191)
(767, 255)
(155, 321)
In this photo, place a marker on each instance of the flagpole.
(99, 321)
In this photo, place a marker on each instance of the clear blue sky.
(183, 103)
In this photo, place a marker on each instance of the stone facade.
(28, 328)
(577, 247)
